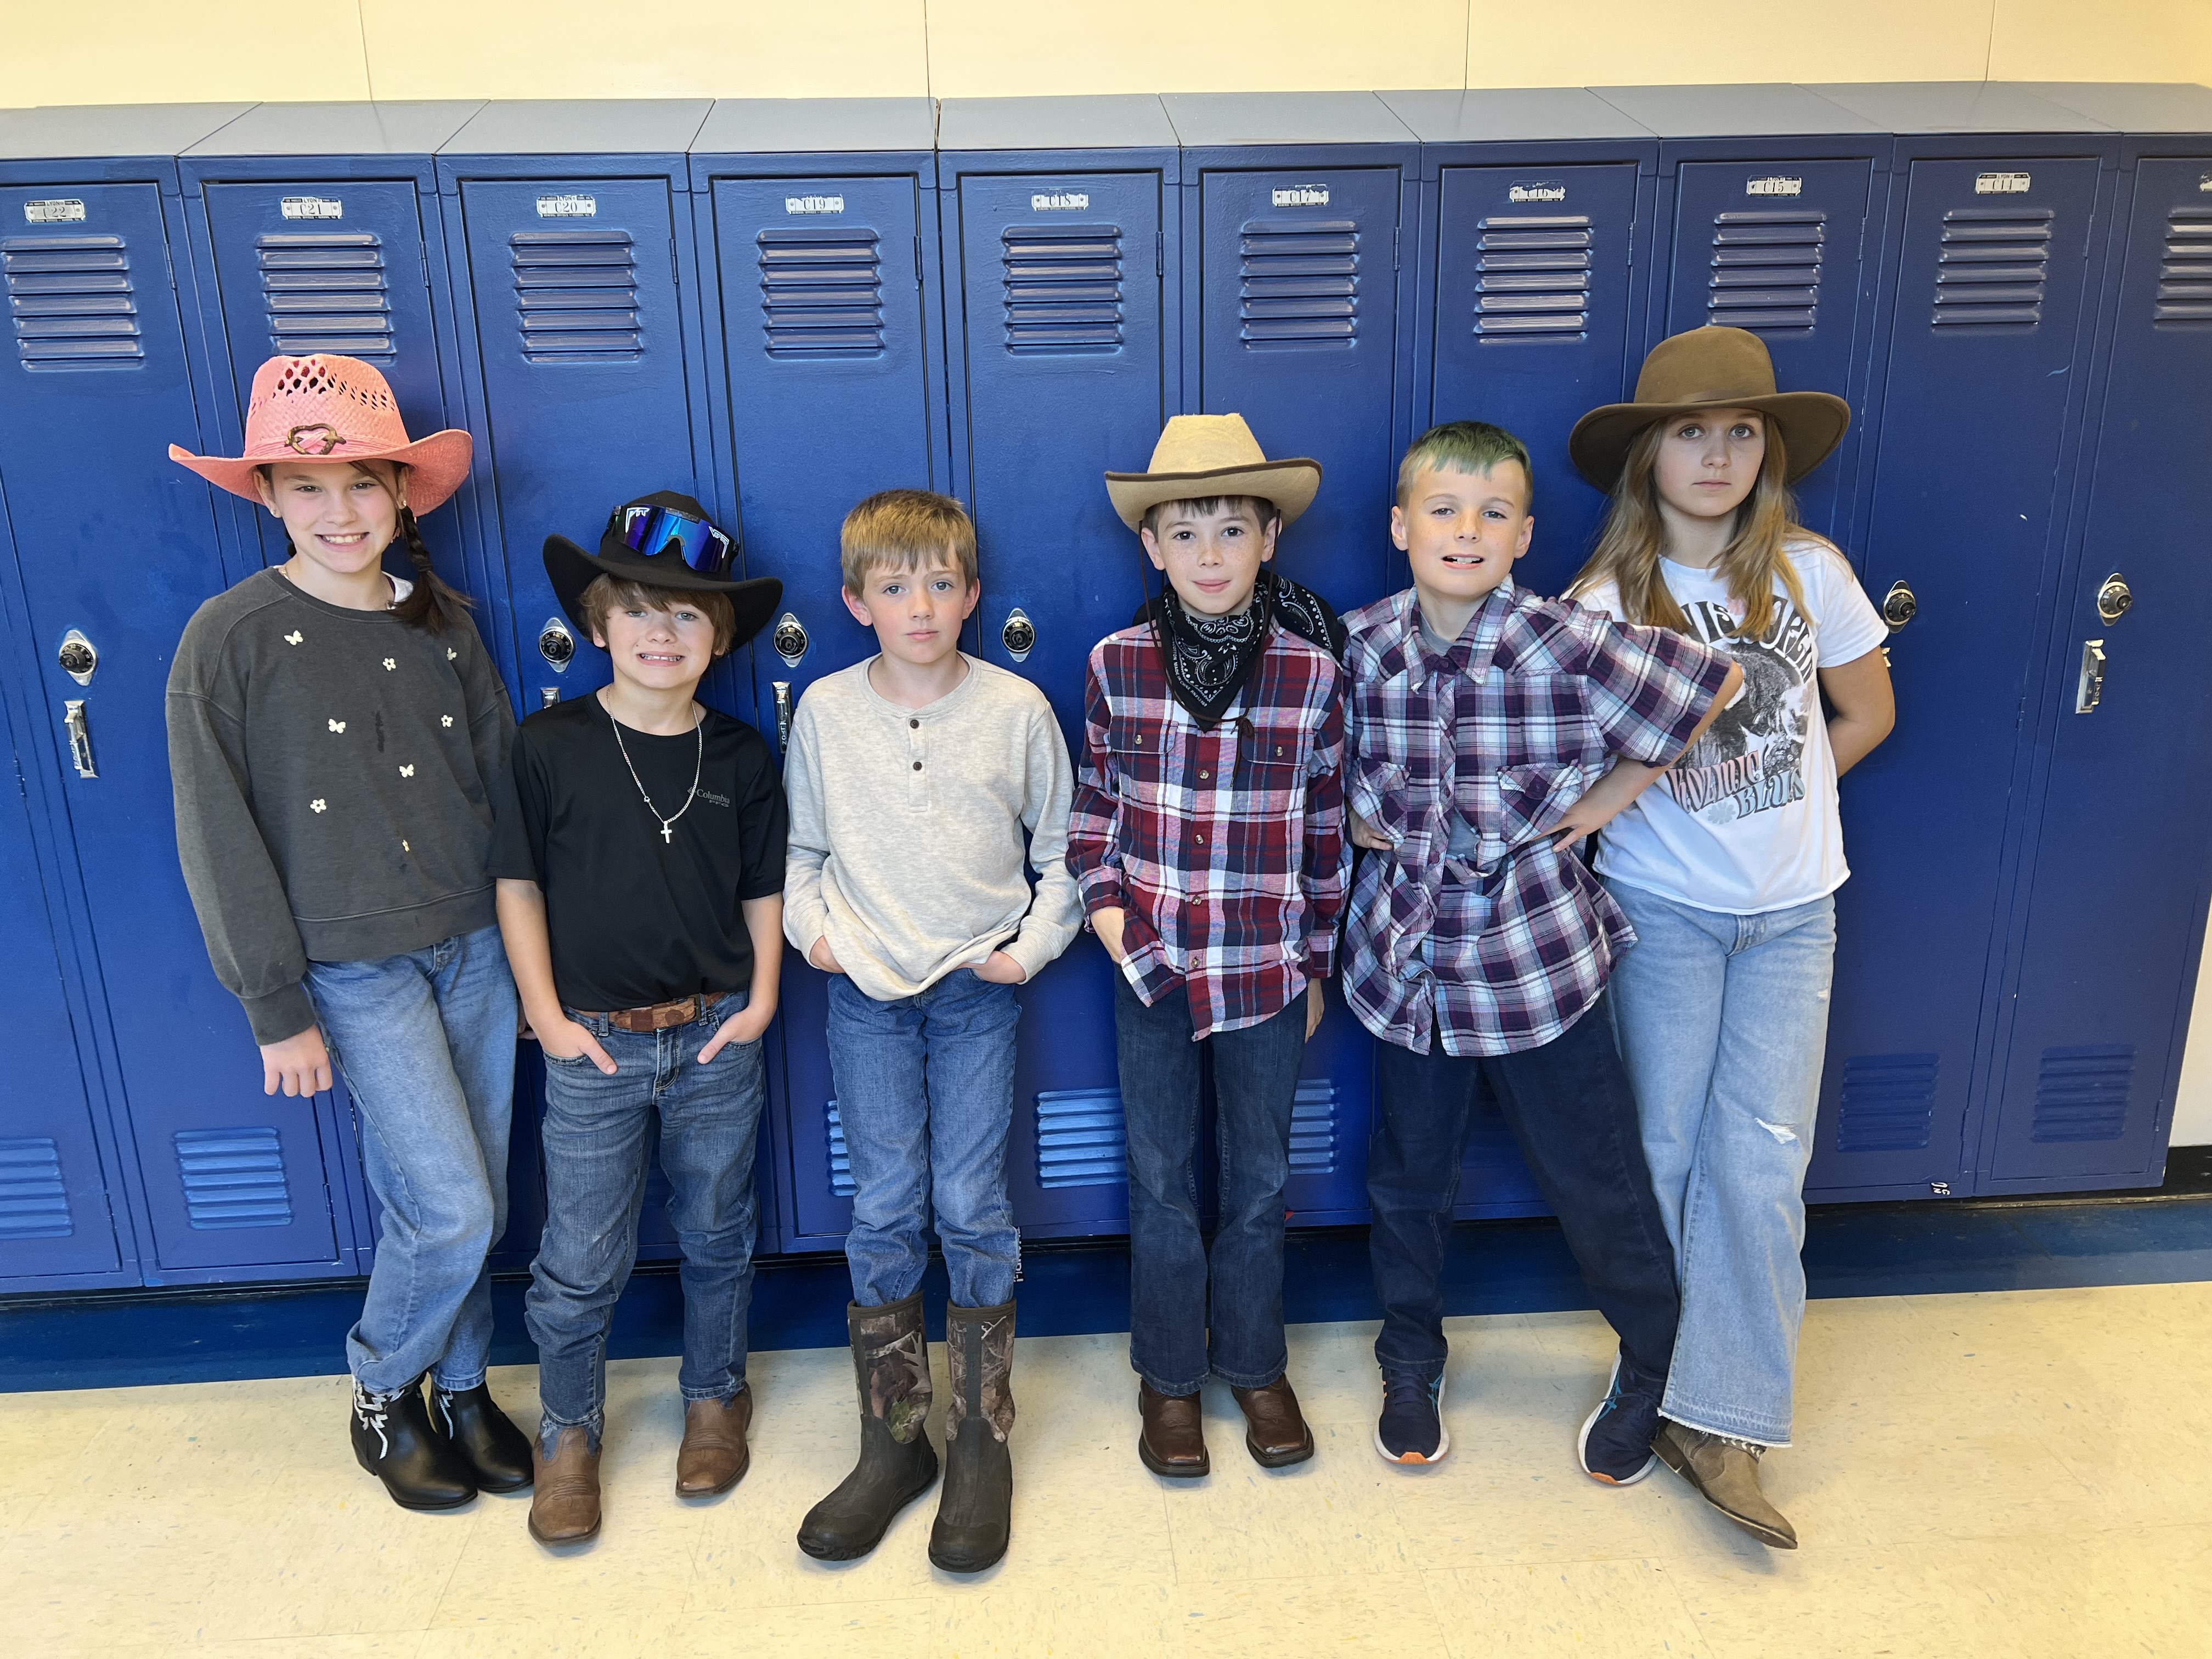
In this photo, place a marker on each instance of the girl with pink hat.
(334, 733)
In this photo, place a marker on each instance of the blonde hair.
(1634, 539)
(607, 593)
(906, 528)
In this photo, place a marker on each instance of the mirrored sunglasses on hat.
(654, 530)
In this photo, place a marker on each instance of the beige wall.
(147, 50)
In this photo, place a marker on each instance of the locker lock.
(2113, 598)
(789, 639)
(1898, 607)
(1018, 635)
(557, 645)
(78, 657)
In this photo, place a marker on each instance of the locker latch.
(2089, 691)
(783, 689)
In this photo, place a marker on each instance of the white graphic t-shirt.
(1747, 820)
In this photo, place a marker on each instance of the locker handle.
(80, 737)
(2089, 690)
(782, 715)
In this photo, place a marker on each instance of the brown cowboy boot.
(564, 1505)
(1171, 1434)
(975, 1508)
(890, 1364)
(1275, 1431)
(713, 1455)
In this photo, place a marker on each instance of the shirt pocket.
(1271, 766)
(1515, 804)
(1135, 757)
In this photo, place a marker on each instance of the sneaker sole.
(1766, 1535)
(1582, 1440)
(1413, 1459)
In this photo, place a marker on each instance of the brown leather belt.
(661, 1015)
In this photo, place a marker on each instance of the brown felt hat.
(1200, 456)
(1708, 369)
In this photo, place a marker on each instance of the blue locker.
(2114, 881)
(1062, 348)
(826, 372)
(233, 1184)
(1984, 324)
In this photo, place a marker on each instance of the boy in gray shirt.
(912, 778)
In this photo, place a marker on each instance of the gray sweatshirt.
(906, 829)
(331, 771)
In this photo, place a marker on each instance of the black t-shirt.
(637, 919)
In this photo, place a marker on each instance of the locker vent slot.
(325, 291)
(1766, 270)
(1888, 1102)
(33, 1203)
(2185, 276)
(1063, 288)
(575, 296)
(1081, 1140)
(1531, 277)
(1313, 1128)
(821, 293)
(1992, 269)
(841, 1163)
(1299, 284)
(2082, 1094)
(233, 1178)
(71, 300)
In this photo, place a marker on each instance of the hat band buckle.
(300, 438)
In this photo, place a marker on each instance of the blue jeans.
(1181, 1294)
(926, 1095)
(426, 1041)
(598, 1145)
(1568, 1105)
(1723, 1023)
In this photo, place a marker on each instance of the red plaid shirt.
(1225, 848)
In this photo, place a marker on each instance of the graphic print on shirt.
(1752, 759)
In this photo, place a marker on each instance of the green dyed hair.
(1465, 446)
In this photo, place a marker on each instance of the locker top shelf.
(758, 126)
(2133, 105)
(409, 127)
(1510, 113)
(62, 131)
(1749, 111)
(581, 126)
(1223, 118)
(1093, 121)
(1929, 106)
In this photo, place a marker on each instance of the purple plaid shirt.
(1506, 949)
(1225, 847)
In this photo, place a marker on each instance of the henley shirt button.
(914, 725)
(917, 766)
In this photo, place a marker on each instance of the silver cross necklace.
(667, 824)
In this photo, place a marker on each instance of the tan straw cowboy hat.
(1708, 369)
(1201, 456)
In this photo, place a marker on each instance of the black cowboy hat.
(571, 570)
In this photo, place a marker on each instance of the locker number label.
(55, 210)
(813, 205)
(2204, 183)
(1303, 196)
(568, 206)
(2001, 184)
(1777, 185)
(312, 207)
(1061, 201)
(1543, 190)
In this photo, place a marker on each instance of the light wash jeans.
(926, 1094)
(1724, 1022)
(426, 1041)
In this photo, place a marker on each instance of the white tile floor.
(2017, 1474)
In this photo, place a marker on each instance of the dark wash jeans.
(1571, 1111)
(1174, 1282)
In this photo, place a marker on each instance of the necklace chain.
(667, 824)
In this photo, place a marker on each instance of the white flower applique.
(318, 806)
(293, 637)
(450, 653)
(406, 771)
(389, 664)
(444, 720)
(338, 725)
(406, 847)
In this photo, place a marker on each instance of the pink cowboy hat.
(326, 408)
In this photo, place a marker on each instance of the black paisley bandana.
(1209, 658)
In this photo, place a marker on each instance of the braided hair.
(432, 604)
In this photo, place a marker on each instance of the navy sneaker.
(1412, 1427)
(1615, 1446)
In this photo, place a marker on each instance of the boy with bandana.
(1208, 835)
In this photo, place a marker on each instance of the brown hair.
(906, 528)
(609, 593)
(1634, 539)
(432, 604)
(1260, 507)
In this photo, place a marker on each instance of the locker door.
(2117, 901)
(826, 353)
(1778, 247)
(582, 352)
(1987, 327)
(233, 1178)
(1532, 326)
(1064, 379)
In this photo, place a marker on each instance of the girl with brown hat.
(334, 734)
(1727, 871)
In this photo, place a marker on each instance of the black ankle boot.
(890, 1363)
(975, 1509)
(392, 1439)
(482, 1438)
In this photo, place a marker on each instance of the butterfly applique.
(338, 725)
(293, 637)
(406, 771)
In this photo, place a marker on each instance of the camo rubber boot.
(975, 1509)
(891, 1366)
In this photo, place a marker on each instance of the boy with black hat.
(640, 858)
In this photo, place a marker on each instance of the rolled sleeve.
(1648, 688)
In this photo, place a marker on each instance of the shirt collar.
(1478, 643)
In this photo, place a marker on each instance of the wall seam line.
(367, 68)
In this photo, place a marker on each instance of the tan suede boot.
(564, 1504)
(713, 1456)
